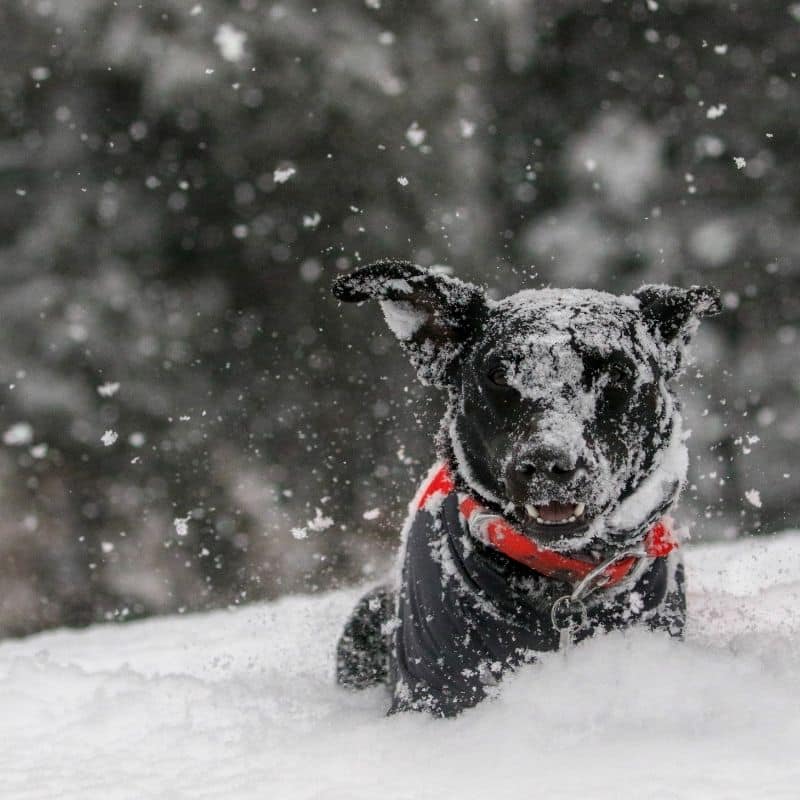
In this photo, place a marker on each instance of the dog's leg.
(362, 653)
(670, 615)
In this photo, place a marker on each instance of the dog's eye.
(498, 377)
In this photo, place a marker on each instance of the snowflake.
(715, 112)
(19, 434)
(282, 174)
(108, 389)
(753, 496)
(182, 525)
(230, 42)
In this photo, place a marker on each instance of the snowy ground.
(241, 704)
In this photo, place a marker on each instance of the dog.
(561, 454)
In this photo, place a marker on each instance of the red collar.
(658, 543)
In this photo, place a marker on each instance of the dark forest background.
(180, 181)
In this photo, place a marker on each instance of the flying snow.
(230, 42)
(319, 523)
(108, 389)
(19, 434)
(753, 496)
(715, 112)
(182, 525)
(415, 135)
(282, 174)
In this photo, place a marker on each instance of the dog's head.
(561, 412)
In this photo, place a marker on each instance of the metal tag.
(568, 615)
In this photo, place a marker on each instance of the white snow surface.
(242, 704)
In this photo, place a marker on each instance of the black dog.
(561, 452)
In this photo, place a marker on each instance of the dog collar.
(496, 531)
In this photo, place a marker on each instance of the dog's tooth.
(571, 519)
(531, 509)
(579, 509)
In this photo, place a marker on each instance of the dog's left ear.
(433, 315)
(672, 314)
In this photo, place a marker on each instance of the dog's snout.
(549, 462)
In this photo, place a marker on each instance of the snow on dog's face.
(560, 411)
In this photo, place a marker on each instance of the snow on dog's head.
(561, 412)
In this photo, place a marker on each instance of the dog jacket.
(467, 611)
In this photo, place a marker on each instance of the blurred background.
(188, 418)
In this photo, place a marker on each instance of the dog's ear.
(672, 314)
(433, 315)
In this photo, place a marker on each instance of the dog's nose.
(555, 464)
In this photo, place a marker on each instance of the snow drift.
(242, 704)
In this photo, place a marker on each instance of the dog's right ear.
(672, 315)
(433, 315)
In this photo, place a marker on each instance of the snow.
(230, 42)
(181, 525)
(415, 135)
(753, 496)
(108, 389)
(282, 174)
(241, 704)
(18, 434)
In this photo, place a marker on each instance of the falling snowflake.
(230, 42)
(320, 521)
(182, 525)
(109, 437)
(372, 513)
(415, 135)
(311, 220)
(467, 128)
(108, 389)
(19, 434)
(715, 112)
(402, 180)
(282, 174)
(753, 496)
(740, 162)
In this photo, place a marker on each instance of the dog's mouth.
(555, 513)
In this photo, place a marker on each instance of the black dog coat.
(466, 612)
